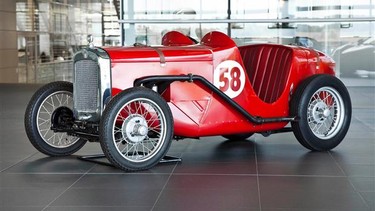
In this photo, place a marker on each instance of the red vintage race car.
(135, 100)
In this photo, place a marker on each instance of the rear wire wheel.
(323, 106)
(136, 129)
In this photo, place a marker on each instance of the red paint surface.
(272, 72)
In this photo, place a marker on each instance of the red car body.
(135, 100)
(263, 89)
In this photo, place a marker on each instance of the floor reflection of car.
(356, 60)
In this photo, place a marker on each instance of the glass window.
(351, 44)
(171, 10)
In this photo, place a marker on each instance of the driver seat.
(268, 67)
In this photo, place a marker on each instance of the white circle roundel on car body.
(229, 77)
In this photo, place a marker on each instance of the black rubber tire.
(241, 136)
(107, 124)
(299, 107)
(31, 116)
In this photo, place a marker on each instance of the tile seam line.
(348, 180)
(84, 174)
(20, 161)
(165, 185)
(264, 175)
(257, 175)
(198, 174)
(73, 173)
(366, 124)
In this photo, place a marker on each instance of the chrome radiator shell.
(91, 84)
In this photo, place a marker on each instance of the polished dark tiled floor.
(273, 173)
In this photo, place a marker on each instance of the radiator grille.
(86, 86)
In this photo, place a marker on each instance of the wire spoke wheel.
(141, 131)
(323, 107)
(136, 129)
(325, 113)
(44, 115)
(52, 102)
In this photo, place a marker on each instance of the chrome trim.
(90, 40)
(104, 90)
(292, 20)
(161, 55)
(105, 82)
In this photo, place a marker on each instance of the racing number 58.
(229, 77)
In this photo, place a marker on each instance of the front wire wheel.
(323, 106)
(136, 129)
(48, 102)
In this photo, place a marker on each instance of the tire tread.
(30, 125)
(106, 132)
(301, 95)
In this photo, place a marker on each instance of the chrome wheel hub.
(320, 112)
(134, 128)
(326, 113)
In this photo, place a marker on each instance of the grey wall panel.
(8, 58)
(8, 40)
(8, 21)
(8, 5)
